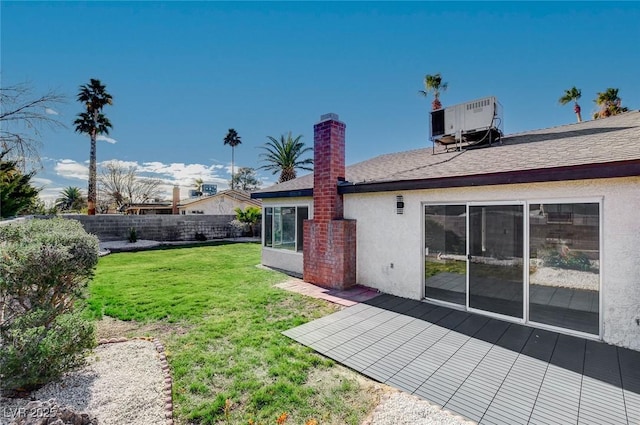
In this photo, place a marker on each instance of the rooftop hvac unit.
(477, 122)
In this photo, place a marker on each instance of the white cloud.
(181, 174)
(71, 169)
(125, 164)
(50, 111)
(185, 174)
(40, 181)
(106, 139)
(50, 194)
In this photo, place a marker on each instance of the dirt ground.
(113, 328)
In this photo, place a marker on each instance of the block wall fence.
(159, 227)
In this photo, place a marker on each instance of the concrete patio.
(490, 371)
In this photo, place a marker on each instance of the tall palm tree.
(572, 95)
(232, 139)
(198, 185)
(610, 104)
(433, 84)
(284, 156)
(70, 199)
(93, 122)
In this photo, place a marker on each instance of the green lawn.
(233, 348)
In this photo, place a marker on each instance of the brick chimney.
(329, 239)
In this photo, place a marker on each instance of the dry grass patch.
(108, 327)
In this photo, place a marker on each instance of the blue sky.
(183, 73)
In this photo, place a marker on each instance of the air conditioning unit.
(467, 123)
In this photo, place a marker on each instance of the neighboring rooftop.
(238, 195)
(607, 147)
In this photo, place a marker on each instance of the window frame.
(298, 225)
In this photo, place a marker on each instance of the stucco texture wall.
(218, 205)
(390, 245)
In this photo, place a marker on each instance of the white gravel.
(122, 384)
(576, 279)
(405, 409)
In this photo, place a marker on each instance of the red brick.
(330, 241)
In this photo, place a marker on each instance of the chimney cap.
(329, 116)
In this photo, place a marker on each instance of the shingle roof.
(581, 145)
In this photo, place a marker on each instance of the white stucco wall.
(218, 205)
(282, 258)
(390, 245)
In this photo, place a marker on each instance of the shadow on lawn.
(167, 246)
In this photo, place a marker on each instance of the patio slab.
(489, 371)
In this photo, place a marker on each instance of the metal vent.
(399, 204)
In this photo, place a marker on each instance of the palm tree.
(284, 156)
(250, 216)
(232, 139)
(572, 95)
(70, 199)
(93, 122)
(198, 185)
(433, 83)
(610, 104)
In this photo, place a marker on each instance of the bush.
(133, 235)
(573, 260)
(247, 218)
(45, 267)
(35, 352)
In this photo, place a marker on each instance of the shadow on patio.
(487, 370)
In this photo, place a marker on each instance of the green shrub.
(133, 235)
(44, 269)
(574, 260)
(249, 218)
(36, 351)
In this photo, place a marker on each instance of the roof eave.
(565, 173)
(297, 193)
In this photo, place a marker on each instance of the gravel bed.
(122, 384)
(575, 279)
(400, 408)
(107, 247)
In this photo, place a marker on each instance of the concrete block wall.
(158, 227)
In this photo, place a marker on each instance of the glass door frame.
(525, 255)
(453, 305)
(526, 259)
(594, 200)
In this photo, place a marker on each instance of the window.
(283, 227)
(564, 271)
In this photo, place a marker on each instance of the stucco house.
(540, 229)
(222, 203)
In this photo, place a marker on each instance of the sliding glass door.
(496, 241)
(445, 252)
(532, 262)
(564, 270)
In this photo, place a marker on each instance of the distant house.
(149, 208)
(222, 203)
(542, 228)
